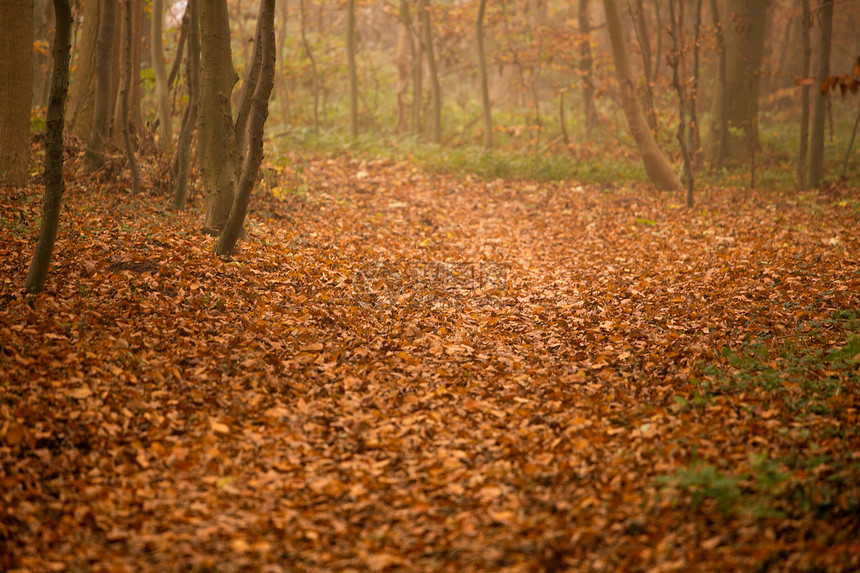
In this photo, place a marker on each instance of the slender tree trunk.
(162, 89)
(675, 60)
(218, 153)
(43, 27)
(180, 47)
(16, 90)
(816, 148)
(659, 170)
(695, 139)
(95, 153)
(418, 78)
(259, 113)
(134, 117)
(404, 58)
(658, 52)
(192, 78)
(586, 68)
(54, 182)
(125, 95)
(436, 93)
(83, 83)
(721, 144)
(641, 29)
(353, 74)
(485, 88)
(805, 65)
(281, 82)
(314, 74)
(248, 86)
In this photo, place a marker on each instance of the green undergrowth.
(804, 373)
(472, 160)
(806, 386)
(600, 159)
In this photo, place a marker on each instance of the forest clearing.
(403, 370)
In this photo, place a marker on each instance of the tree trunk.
(436, 93)
(95, 154)
(806, 58)
(259, 112)
(218, 154)
(721, 99)
(744, 42)
(192, 78)
(281, 82)
(83, 83)
(641, 29)
(248, 86)
(54, 183)
(695, 139)
(134, 117)
(353, 74)
(405, 56)
(16, 90)
(418, 78)
(816, 147)
(586, 68)
(162, 89)
(314, 74)
(485, 88)
(660, 172)
(43, 29)
(126, 97)
(675, 60)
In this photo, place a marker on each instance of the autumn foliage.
(402, 370)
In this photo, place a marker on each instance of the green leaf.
(732, 356)
(851, 351)
(641, 221)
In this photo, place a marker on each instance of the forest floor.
(409, 371)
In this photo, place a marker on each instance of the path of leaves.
(410, 371)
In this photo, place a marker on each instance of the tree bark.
(54, 183)
(816, 147)
(126, 97)
(675, 61)
(95, 153)
(721, 100)
(404, 58)
(259, 113)
(805, 65)
(418, 78)
(134, 116)
(162, 88)
(353, 74)
(436, 93)
(248, 86)
(659, 170)
(218, 153)
(192, 78)
(83, 82)
(744, 41)
(641, 29)
(16, 90)
(314, 74)
(485, 88)
(586, 68)
(695, 139)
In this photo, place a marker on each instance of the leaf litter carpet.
(406, 371)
